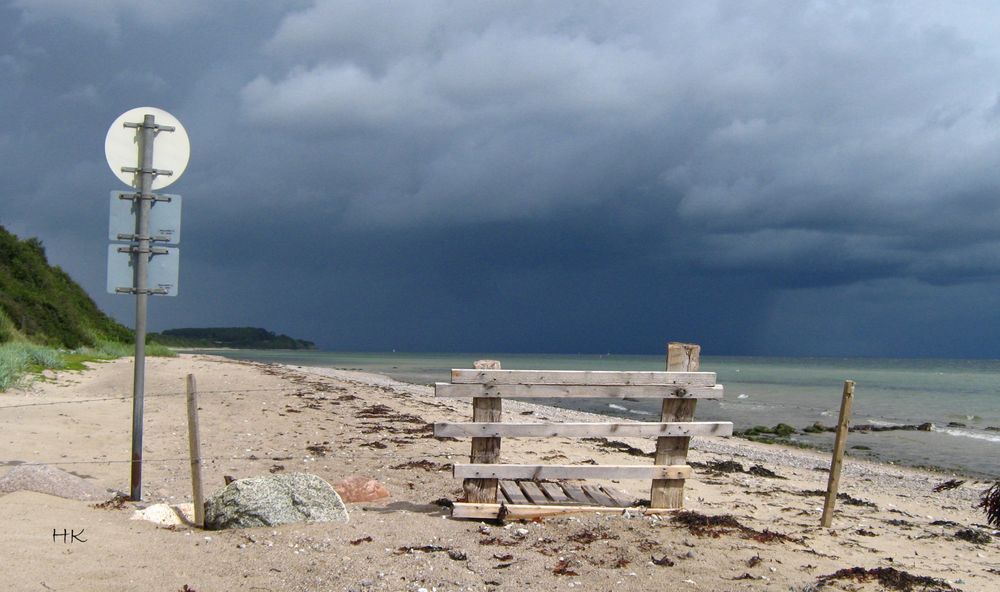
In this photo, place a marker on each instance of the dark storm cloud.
(563, 176)
(790, 132)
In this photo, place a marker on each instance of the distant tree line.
(234, 337)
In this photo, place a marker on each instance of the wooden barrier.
(536, 490)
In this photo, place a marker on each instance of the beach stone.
(357, 488)
(271, 500)
(486, 364)
(167, 515)
(818, 428)
(51, 481)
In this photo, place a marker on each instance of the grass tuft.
(19, 361)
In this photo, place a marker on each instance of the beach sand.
(256, 418)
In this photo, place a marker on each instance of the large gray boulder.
(274, 499)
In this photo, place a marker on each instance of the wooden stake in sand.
(681, 357)
(194, 444)
(838, 454)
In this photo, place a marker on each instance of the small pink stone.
(360, 489)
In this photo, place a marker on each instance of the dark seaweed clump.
(847, 499)
(714, 526)
(889, 578)
(974, 536)
(990, 503)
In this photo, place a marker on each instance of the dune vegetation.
(47, 321)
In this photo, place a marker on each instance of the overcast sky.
(763, 178)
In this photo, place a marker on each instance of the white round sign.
(171, 150)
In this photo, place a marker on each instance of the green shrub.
(18, 359)
(7, 330)
(41, 303)
(40, 357)
(11, 367)
(159, 351)
(110, 350)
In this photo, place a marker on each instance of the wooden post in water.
(838, 454)
(194, 445)
(484, 450)
(669, 493)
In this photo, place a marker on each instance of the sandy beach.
(260, 418)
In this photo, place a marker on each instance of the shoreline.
(764, 392)
(737, 442)
(778, 453)
(258, 418)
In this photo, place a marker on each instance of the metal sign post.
(119, 148)
(141, 300)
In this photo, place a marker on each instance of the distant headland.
(229, 337)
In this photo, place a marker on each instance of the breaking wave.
(968, 434)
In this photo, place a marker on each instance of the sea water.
(961, 398)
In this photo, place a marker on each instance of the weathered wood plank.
(484, 450)
(599, 496)
(580, 430)
(659, 511)
(513, 471)
(520, 512)
(576, 493)
(620, 498)
(555, 391)
(554, 492)
(585, 377)
(681, 357)
(513, 493)
(535, 495)
(517, 511)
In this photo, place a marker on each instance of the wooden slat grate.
(559, 493)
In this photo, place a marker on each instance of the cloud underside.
(824, 146)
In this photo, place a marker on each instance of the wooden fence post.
(669, 493)
(484, 450)
(838, 454)
(194, 445)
